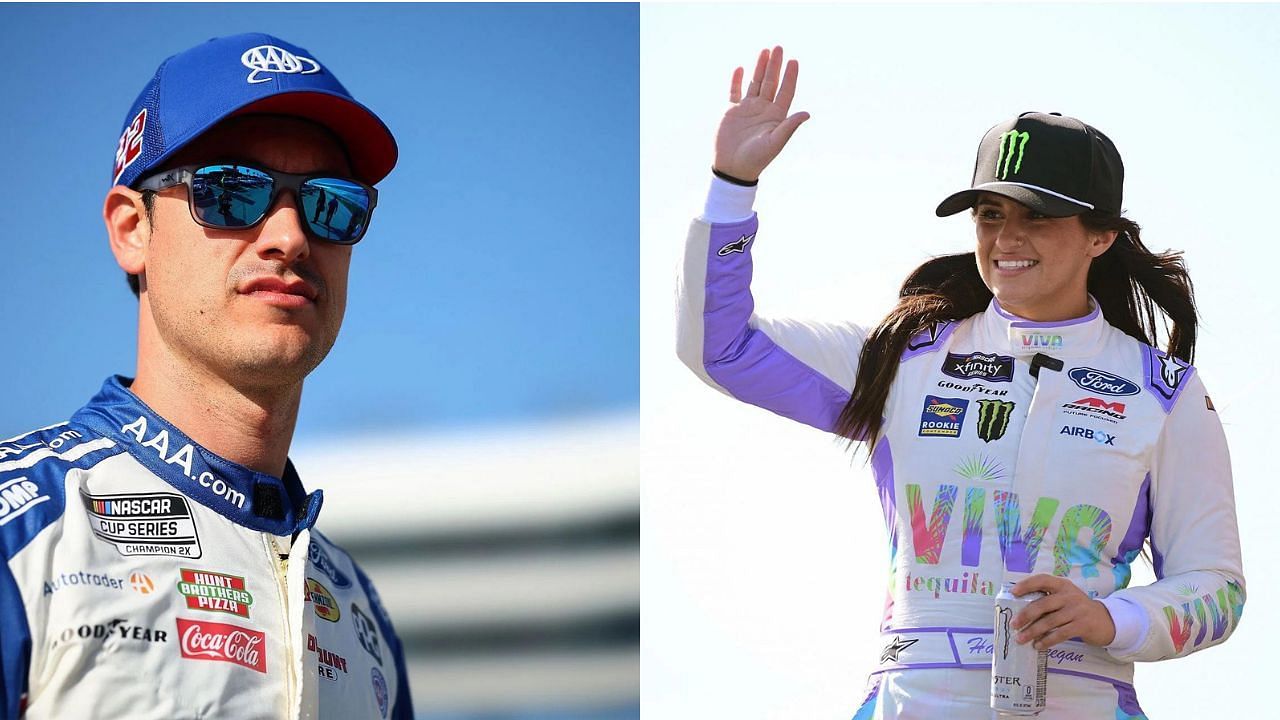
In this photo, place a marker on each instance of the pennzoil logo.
(993, 418)
(942, 417)
(215, 592)
(144, 523)
(1012, 142)
(326, 608)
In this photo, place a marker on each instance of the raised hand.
(756, 127)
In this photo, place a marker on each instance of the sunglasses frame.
(185, 175)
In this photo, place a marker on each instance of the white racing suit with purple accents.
(990, 469)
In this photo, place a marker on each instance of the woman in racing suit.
(1021, 423)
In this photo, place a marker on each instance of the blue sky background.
(499, 281)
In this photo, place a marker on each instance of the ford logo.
(321, 561)
(1101, 382)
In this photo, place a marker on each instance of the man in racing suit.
(160, 552)
(1009, 449)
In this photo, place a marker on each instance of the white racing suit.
(142, 578)
(989, 472)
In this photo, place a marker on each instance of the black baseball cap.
(1056, 165)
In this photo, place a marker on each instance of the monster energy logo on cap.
(993, 418)
(1008, 141)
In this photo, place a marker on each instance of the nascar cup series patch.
(942, 417)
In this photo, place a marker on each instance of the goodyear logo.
(942, 417)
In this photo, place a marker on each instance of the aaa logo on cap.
(322, 601)
(1102, 382)
(271, 59)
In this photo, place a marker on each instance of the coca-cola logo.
(202, 640)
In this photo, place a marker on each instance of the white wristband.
(1132, 624)
(728, 203)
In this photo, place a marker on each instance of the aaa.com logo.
(202, 640)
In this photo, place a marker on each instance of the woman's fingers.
(787, 92)
(757, 80)
(735, 86)
(772, 71)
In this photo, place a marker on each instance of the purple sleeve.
(800, 370)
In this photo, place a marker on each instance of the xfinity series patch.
(942, 417)
(979, 366)
(144, 523)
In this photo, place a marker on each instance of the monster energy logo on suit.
(1008, 140)
(993, 418)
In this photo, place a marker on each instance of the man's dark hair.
(149, 205)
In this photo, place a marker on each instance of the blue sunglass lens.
(336, 210)
(231, 195)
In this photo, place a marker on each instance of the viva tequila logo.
(1011, 143)
(1040, 341)
(1083, 532)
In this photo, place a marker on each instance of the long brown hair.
(1128, 281)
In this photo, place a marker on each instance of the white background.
(764, 556)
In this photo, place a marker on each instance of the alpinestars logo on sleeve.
(993, 418)
(737, 246)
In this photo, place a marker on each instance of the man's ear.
(128, 229)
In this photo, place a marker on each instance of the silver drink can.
(1018, 671)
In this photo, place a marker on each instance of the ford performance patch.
(942, 417)
(979, 366)
(144, 523)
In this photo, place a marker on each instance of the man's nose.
(280, 236)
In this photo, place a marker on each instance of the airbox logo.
(979, 366)
(144, 523)
(1101, 382)
(942, 417)
(204, 640)
(17, 496)
(1089, 434)
(215, 592)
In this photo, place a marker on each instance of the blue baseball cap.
(240, 74)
